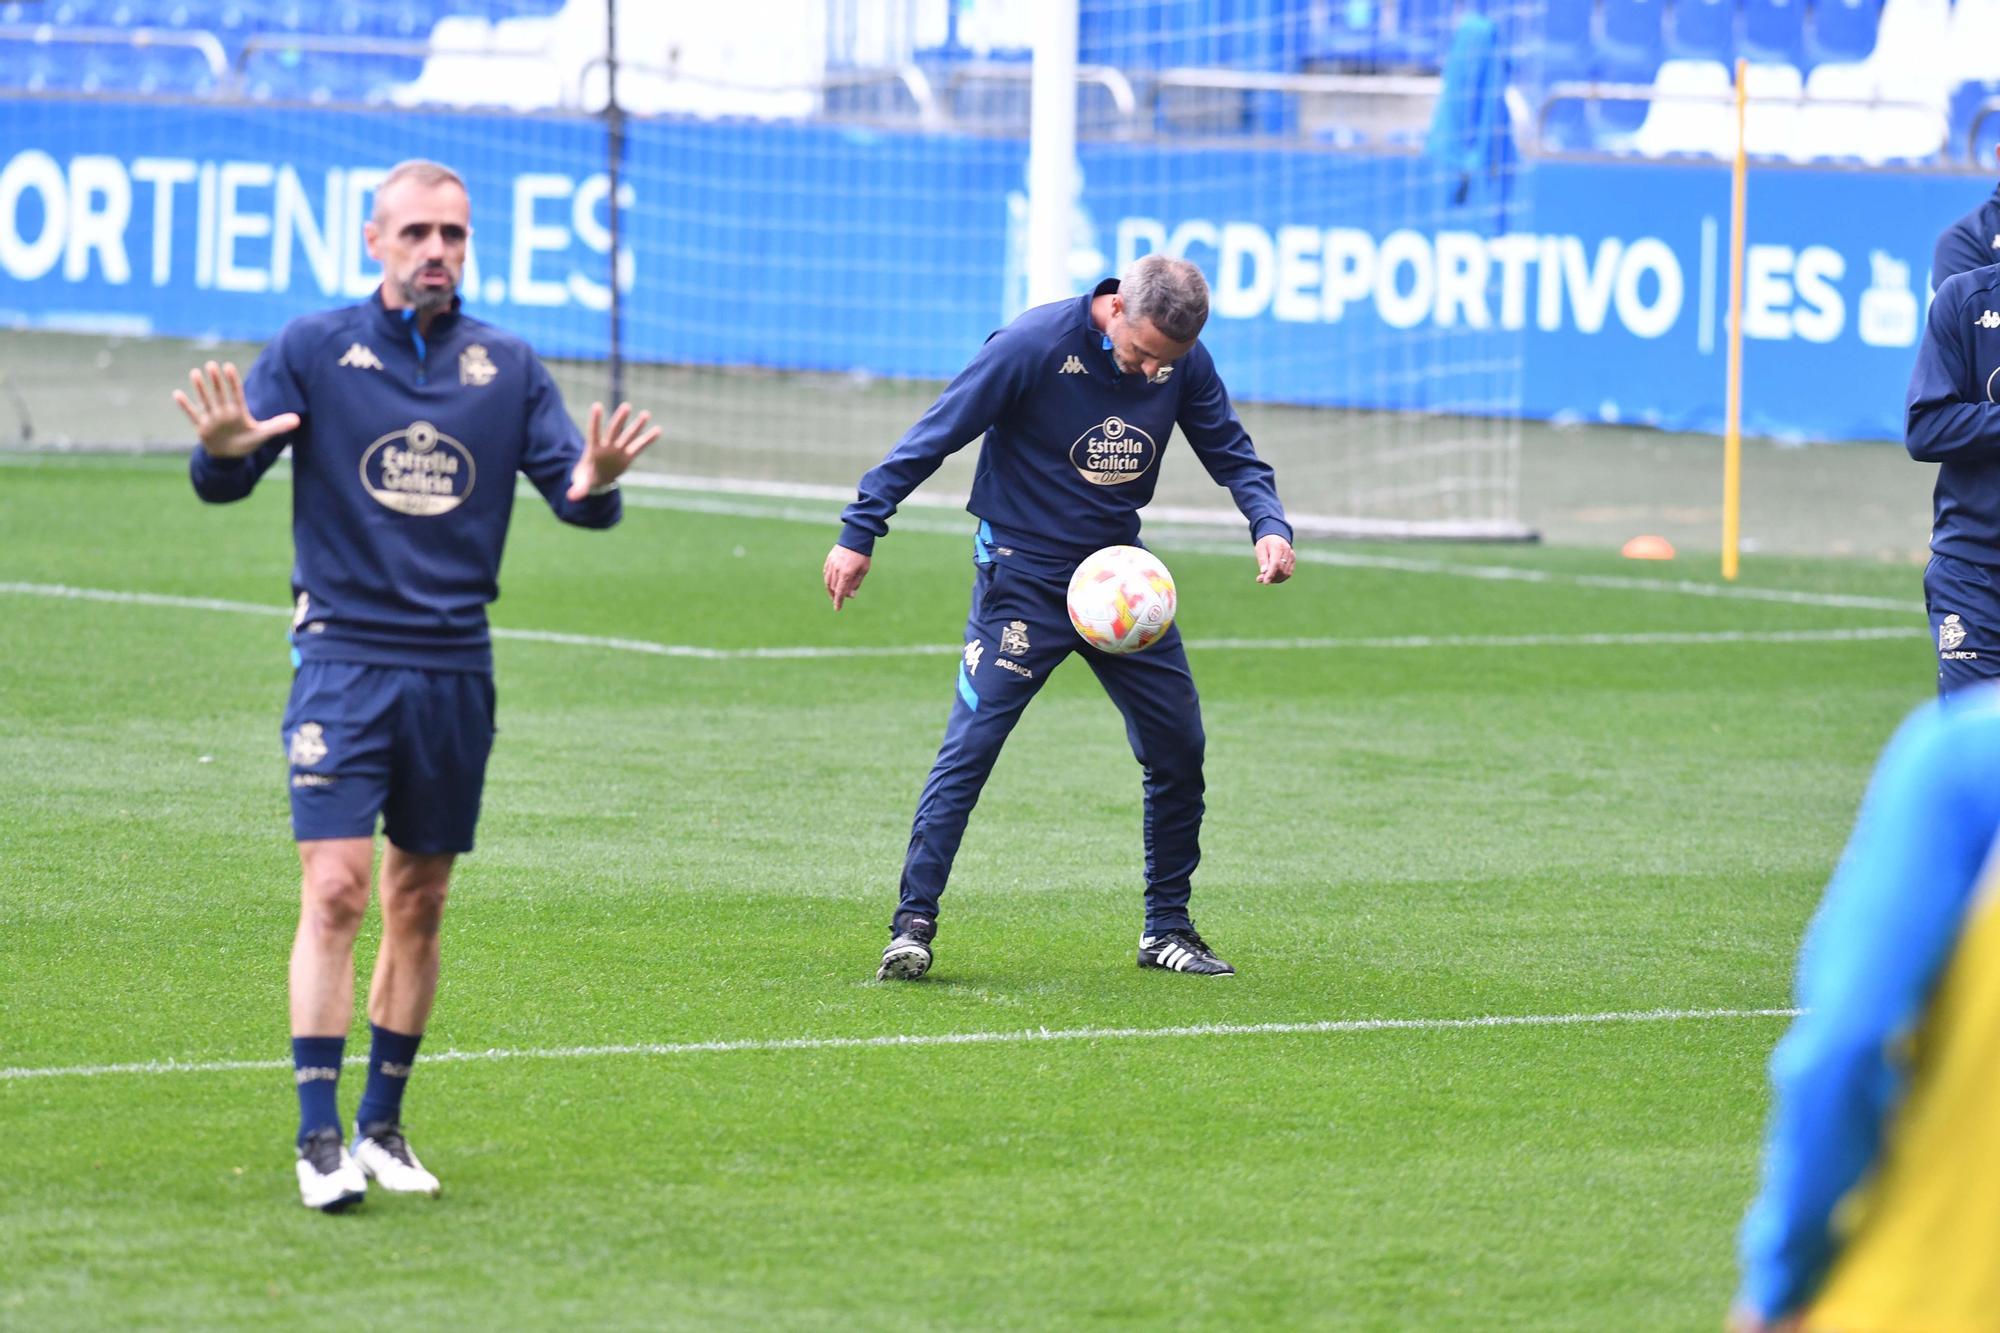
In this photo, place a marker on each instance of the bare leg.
(406, 971)
(332, 899)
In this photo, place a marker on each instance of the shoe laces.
(1190, 940)
(390, 1139)
(321, 1150)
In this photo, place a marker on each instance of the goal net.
(822, 213)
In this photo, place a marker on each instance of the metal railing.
(206, 44)
(1979, 116)
(1124, 99)
(1246, 81)
(910, 78)
(1135, 108)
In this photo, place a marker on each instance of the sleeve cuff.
(857, 539)
(606, 489)
(1270, 527)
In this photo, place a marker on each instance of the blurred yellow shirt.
(1920, 1238)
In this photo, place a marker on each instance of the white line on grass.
(706, 496)
(1020, 1037)
(1315, 555)
(1664, 638)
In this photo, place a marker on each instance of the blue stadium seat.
(1702, 30)
(36, 67)
(1842, 31)
(1343, 30)
(1614, 121)
(77, 13)
(108, 69)
(1632, 30)
(185, 16)
(1258, 35)
(1774, 31)
(274, 74)
(1422, 32)
(1569, 125)
(1570, 29)
(1965, 103)
(175, 71)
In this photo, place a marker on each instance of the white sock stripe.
(898, 1040)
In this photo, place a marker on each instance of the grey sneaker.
(909, 953)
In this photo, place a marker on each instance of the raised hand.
(1275, 559)
(608, 451)
(220, 416)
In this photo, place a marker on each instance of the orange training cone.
(1648, 547)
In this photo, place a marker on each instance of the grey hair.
(1168, 293)
(423, 172)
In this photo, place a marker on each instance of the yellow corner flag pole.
(1732, 437)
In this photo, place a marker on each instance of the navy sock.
(390, 1056)
(316, 1067)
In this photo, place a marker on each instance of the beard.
(425, 300)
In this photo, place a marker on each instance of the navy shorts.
(1963, 599)
(403, 743)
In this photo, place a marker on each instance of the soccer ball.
(1121, 599)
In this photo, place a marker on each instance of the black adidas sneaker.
(1181, 951)
(909, 953)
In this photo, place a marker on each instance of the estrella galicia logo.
(418, 470)
(1113, 453)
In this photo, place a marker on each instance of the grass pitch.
(1484, 798)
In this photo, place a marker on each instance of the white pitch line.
(1640, 639)
(651, 491)
(903, 1040)
(1316, 555)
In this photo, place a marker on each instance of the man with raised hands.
(407, 421)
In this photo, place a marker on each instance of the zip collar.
(403, 323)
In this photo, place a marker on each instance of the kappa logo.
(360, 357)
(1951, 633)
(475, 367)
(1014, 638)
(1072, 366)
(1996, 240)
(973, 652)
(1989, 319)
(1160, 376)
(308, 744)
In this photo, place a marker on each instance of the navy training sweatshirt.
(403, 477)
(1073, 444)
(1969, 243)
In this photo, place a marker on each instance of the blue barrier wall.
(1338, 278)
